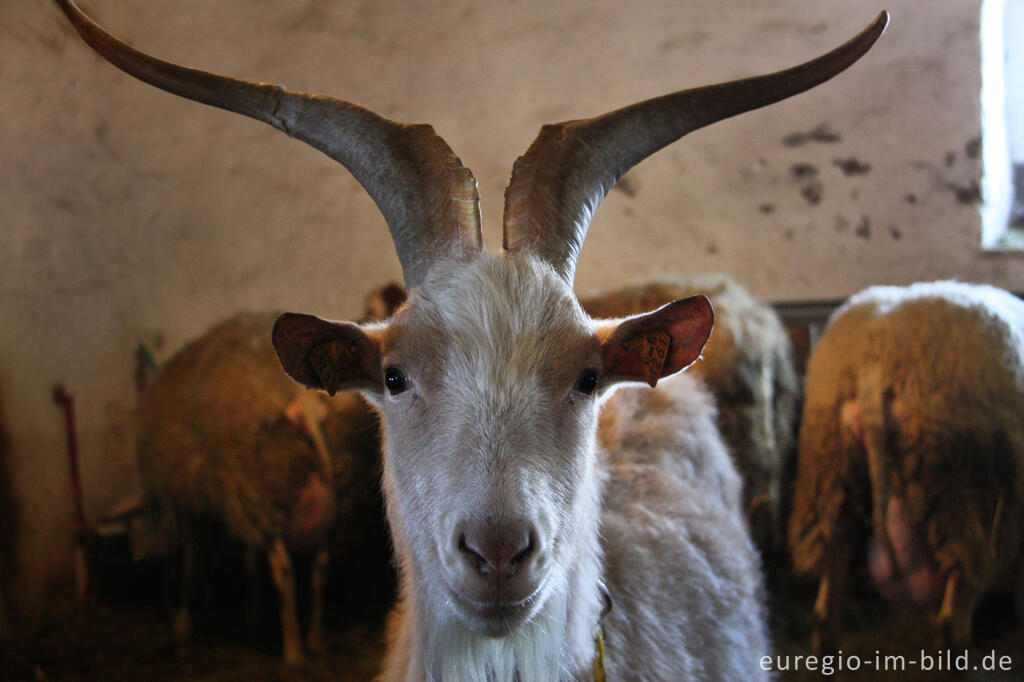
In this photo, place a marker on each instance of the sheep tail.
(871, 400)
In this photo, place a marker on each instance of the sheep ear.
(658, 344)
(331, 356)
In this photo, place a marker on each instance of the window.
(1002, 110)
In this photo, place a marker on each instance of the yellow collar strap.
(599, 675)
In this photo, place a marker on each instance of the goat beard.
(533, 651)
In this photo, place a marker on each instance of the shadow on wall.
(8, 525)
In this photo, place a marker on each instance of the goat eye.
(587, 382)
(394, 379)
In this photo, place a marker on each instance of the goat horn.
(558, 183)
(428, 198)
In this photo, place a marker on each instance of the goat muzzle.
(497, 570)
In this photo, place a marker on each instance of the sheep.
(225, 437)
(748, 365)
(912, 443)
(511, 521)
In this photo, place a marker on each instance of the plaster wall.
(130, 215)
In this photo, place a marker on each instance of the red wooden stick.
(63, 398)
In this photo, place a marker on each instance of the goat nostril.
(474, 558)
(525, 552)
(491, 550)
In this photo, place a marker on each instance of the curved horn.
(558, 183)
(428, 198)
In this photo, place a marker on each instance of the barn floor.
(125, 633)
(875, 628)
(133, 642)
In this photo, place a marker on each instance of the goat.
(912, 443)
(748, 365)
(226, 441)
(506, 515)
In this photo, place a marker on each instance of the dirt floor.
(132, 641)
(136, 644)
(889, 642)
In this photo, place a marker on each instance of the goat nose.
(496, 550)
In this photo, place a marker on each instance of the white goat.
(505, 513)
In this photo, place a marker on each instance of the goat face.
(488, 379)
(490, 410)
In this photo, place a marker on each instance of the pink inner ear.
(325, 355)
(658, 344)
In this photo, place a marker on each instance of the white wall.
(1013, 34)
(132, 215)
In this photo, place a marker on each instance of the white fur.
(492, 428)
(748, 367)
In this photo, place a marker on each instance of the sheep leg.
(953, 624)
(186, 551)
(256, 596)
(760, 520)
(318, 579)
(828, 605)
(778, 541)
(284, 580)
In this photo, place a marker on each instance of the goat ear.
(658, 344)
(331, 356)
